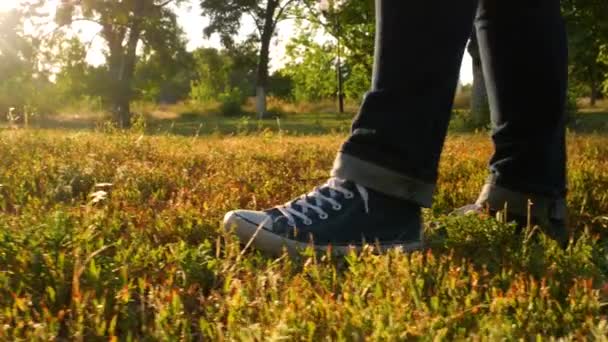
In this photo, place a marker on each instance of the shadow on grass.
(191, 124)
(296, 124)
(590, 122)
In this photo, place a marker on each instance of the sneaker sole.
(268, 242)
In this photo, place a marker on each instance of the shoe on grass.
(338, 216)
(554, 228)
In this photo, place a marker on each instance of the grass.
(189, 119)
(191, 124)
(145, 258)
(298, 124)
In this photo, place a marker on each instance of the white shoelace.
(289, 211)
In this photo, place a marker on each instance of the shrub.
(572, 104)
(231, 102)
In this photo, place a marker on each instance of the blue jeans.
(398, 135)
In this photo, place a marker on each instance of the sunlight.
(8, 5)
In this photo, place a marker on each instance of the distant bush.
(281, 86)
(231, 102)
(572, 104)
(462, 99)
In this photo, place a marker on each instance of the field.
(143, 256)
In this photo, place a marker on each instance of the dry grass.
(600, 106)
(148, 260)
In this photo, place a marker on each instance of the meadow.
(108, 235)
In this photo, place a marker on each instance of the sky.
(193, 24)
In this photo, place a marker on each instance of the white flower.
(98, 196)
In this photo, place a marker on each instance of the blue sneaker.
(338, 216)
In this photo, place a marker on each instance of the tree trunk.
(264, 59)
(122, 66)
(122, 111)
(480, 110)
(260, 101)
(594, 92)
(117, 101)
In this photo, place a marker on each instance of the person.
(386, 170)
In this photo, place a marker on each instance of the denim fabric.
(403, 120)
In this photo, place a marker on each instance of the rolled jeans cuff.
(500, 198)
(383, 180)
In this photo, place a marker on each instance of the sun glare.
(6, 5)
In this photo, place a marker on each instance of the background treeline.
(44, 71)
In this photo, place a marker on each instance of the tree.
(124, 24)
(226, 18)
(224, 76)
(72, 81)
(587, 22)
(213, 71)
(164, 75)
(15, 59)
(244, 57)
(311, 71)
(603, 58)
(24, 85)
(311, 68)
(357, 80)
(352, 22)
(315, 68)
(480, 109)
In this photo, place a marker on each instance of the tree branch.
(326, 26)
(258, 26)
(164, 4)
(282, 10)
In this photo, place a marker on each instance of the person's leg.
(524, 54)
(399, 133)
(387, 169)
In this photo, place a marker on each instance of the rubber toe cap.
(246, 219)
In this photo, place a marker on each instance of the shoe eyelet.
(324, 216)
(308, 222)
(337, 207)
(349, 195)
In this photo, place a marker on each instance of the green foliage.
(23, 85)
(226, 19)
(244, 62)
(115, 237)
(231, 102)
(213, 75)
(281, 86)
(71, 79)
(313, 66)
(146, 58)
(313, 72)
(587, 22)
(603, 58)
(573, 95)
(164, 76)
(357, 81)
(223, 76)
(77, 80)
(353, 22)
(123, 26)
